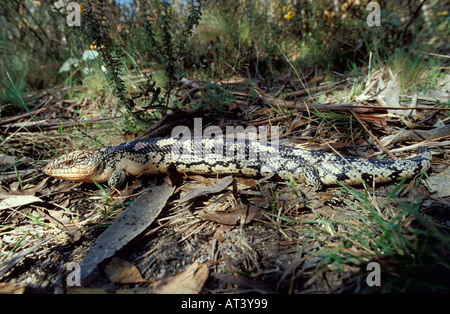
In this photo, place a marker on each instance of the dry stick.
(212, 263)
(53, 126)
(21, 116)
(428, 144)
(434, 54)
(349, 106)
(265, 121)
(373, 136)
(4, 176)
(322, 89)
(303, 105)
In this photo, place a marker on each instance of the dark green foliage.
(96, 32)
(162, 43)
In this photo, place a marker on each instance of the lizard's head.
(80, 166)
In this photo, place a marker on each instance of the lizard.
(230, 156)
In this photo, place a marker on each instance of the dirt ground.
(250, 236)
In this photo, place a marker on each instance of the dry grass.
(305, 242)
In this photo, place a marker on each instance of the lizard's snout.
(75, 166)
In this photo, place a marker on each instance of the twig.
(51, 126)
(426, 144)
(373, 136)
(22, 116)
(303, 105)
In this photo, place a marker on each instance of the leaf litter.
(279, 235)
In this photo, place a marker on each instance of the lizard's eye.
(68, 163)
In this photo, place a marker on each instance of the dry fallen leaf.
(130, 223)
(221, 185)
(440, 183)
(239, 213)
(219, 234)
(7, 160)
(173, 177)
(119, 270)
(6, 288)
(127, 191)
(199, 178)
(247, 181)
(8, 201)
(189, 281)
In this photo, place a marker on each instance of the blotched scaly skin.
(230, 156)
